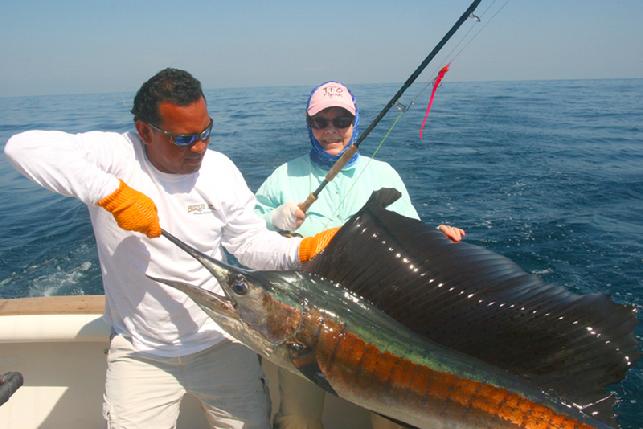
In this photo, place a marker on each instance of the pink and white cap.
(330, 94)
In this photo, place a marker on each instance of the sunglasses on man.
(319, 123)
(184, 140)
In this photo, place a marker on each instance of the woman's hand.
(288, 216)
(452, 233)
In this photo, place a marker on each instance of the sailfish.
(431, 334)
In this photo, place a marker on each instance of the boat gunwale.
(67, 304)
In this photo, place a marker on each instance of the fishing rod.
(346, 156)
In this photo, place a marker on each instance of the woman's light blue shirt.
(339, 200)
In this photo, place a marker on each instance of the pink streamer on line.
(436, 82)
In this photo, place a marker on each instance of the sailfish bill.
(372, 320)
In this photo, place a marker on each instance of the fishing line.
(348, 154)
(486, 23)
(449, 59)
(452, 55)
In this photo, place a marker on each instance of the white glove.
(288, 216)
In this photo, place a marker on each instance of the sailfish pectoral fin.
(312, 372)
(305, 361)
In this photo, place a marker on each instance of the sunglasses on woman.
(319, 123)
(184, 140)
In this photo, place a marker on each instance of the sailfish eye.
(239, 287)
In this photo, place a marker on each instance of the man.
(163, 345)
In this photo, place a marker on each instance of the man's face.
(161, 151)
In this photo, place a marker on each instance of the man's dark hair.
(176, 86)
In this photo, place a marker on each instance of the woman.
(333, 121)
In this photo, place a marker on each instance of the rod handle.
(305, 205)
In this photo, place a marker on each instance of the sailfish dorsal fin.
(480, 303)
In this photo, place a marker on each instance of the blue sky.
(90, 46)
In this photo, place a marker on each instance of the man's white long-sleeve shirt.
(209, 209)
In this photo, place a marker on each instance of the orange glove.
(310, 246)
(133, 210)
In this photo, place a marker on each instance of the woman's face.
(333, 137)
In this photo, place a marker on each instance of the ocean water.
(547, 173)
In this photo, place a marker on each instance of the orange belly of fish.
(418, 395)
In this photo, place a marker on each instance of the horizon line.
(308, 86)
